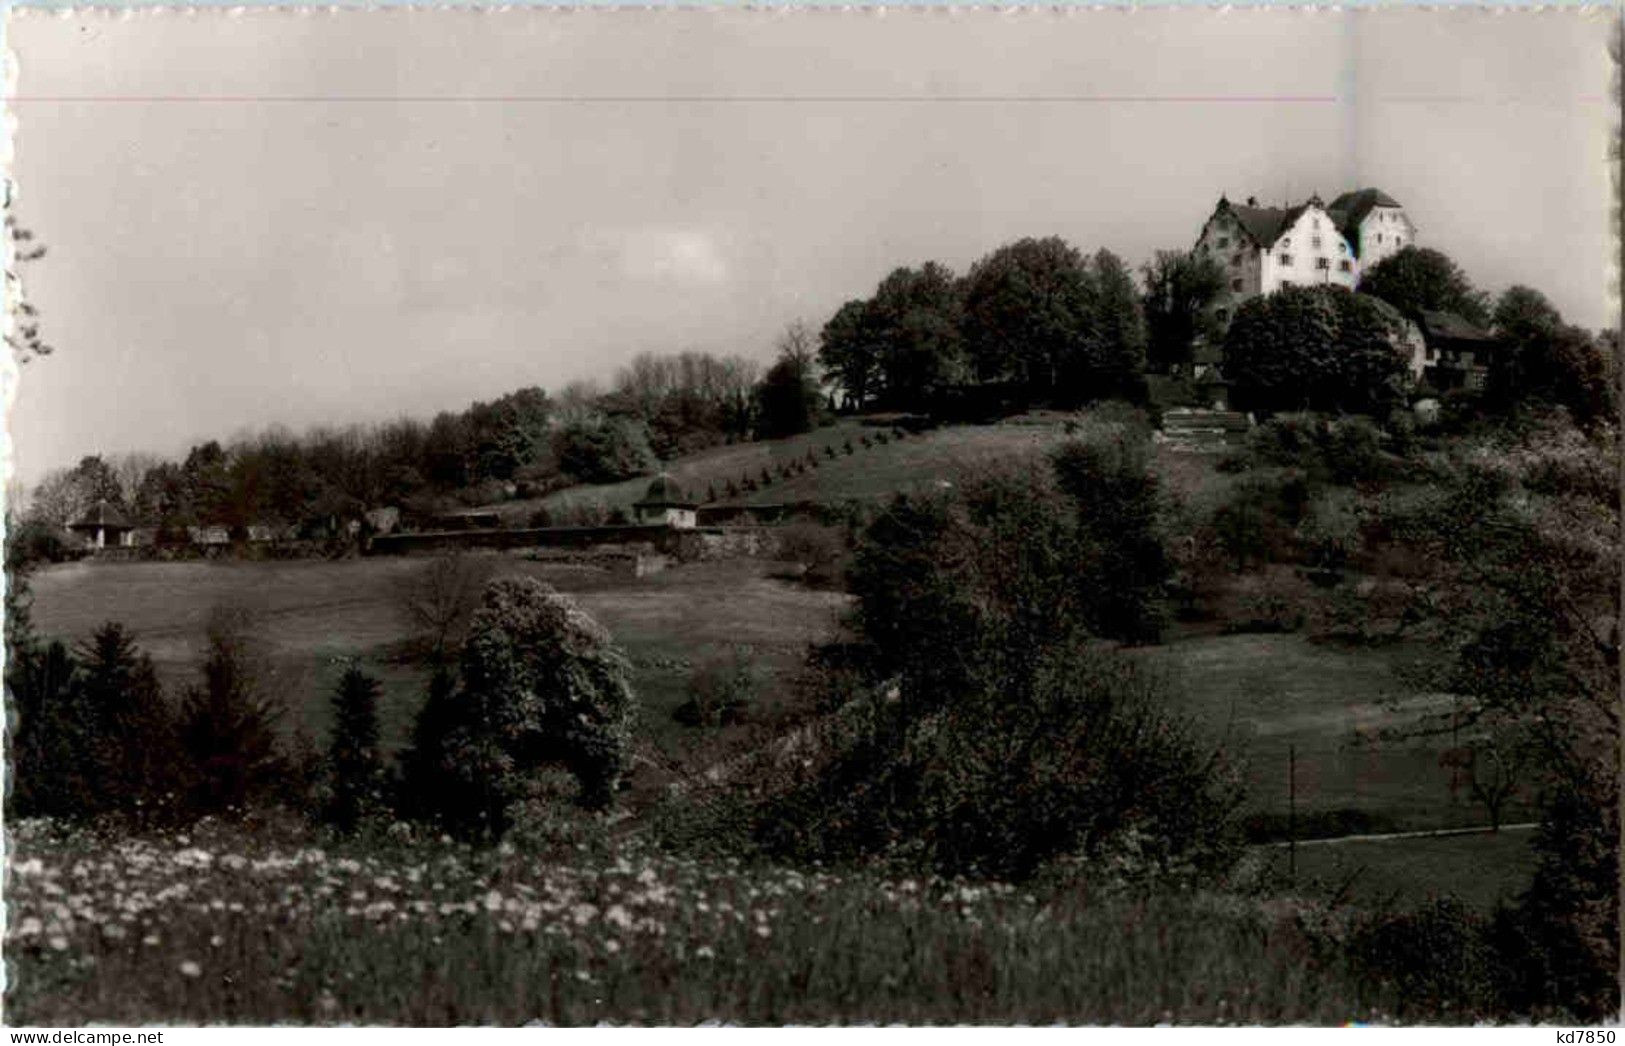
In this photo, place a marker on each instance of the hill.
(832, 475)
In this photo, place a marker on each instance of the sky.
(300, 218)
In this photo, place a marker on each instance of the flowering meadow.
(218, 924)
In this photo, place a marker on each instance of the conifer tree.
(353, 758)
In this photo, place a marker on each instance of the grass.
(1340, 709)
(241, 927)
(1480, 870)
(876, 471)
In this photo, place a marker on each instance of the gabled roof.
(1350, 209)
(1450, 326)
(663, 493)
(101, 514)
(1263, 225)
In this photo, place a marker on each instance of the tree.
(1417, 278)
(604, 450)
(353, 759)
(1116, 363)
(788, 398)
(1180, 289)
(1521, 548)
(439, 599)
(541, 684)
(1546, 361)
(1315, 348)
(227, 723)
(1003, 736)
(915, 320)
(849, 352)
(51, 755)
(1028, 307)
(132, 728)
(508, 433)
(63, 496)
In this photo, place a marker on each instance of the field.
(1343, 710)
(317, 617)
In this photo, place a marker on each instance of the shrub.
(1075, 761)
(541, 684)
(1270, 602)
(720, 692)
(34, 541)
(1353, 452)
(821, 550)
(1437, 958)
(1258, 521)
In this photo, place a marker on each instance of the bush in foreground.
(541, 683)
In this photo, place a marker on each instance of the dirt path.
(1522, 826)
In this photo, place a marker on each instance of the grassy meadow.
(227, 925)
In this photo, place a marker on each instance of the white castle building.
(1263, 249)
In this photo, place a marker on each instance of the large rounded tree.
(542, 684)
(1315, 348)
(1419, 278)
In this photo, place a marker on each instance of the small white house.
(665, 504)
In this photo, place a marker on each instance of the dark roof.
(1450, 326)
(1264, 224)
(1350, 209)
(102, 515)
(663, 493)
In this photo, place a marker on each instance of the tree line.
(525, 443)
(1037, 316)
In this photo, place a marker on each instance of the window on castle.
(1344, 266)
(1286, 259)
(1224, 241)
(1315, 243)
(1379, 237)
(1323, 263)
(1287, 242)
(1235, 285)
(1286, 283)
(1235, 261)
